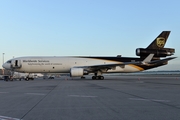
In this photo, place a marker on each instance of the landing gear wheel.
(101, 77)
(93, 77)
(98, 77)
(27, 79)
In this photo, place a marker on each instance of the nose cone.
(3, 65)
(6, 66)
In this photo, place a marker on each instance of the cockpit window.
(9, 61)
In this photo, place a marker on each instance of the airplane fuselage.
(64, 64)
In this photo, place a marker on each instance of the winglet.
(148, 59)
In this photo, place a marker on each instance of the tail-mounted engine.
(163, 52)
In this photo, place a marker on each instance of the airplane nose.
(6, 66)
(3, 66)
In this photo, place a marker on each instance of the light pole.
(3, 58)
(2, 64)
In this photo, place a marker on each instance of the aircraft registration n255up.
(78, 66)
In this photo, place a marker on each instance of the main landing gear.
(98, 77)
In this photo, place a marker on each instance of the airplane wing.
(106, 67)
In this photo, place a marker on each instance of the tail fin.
(160, 41)
(157, 47)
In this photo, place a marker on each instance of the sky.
(86, 27)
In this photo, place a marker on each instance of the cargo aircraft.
(78, 66)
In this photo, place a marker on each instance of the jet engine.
(76, 72)
(157, 53)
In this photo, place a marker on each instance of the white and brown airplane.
(78, 66)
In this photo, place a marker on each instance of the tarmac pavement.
(115, 98)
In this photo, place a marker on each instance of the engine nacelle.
(76, 72)
(157, 53)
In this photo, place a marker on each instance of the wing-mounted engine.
(16, 64)
(163, 52)
(77, 72)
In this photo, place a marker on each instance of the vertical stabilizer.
(160, 41)
(157, 47)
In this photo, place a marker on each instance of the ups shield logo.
(160, 42)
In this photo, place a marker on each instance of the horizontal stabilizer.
(161, 61)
